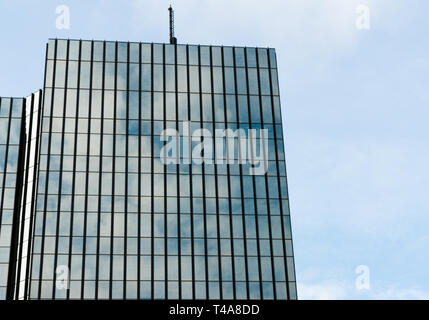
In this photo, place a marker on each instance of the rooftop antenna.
(173, 40)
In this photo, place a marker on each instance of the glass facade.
(11, 135)
(107, 214)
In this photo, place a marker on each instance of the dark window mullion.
(203, 173)
(74, 164)
(152, 177)
(216, 177)
(100, 181)
(266, 179)
(278, 178)
(126, 173)
(47, 174)
(190, 176)
(252, 154)
(179, 238)
(139, 179)
(112, 221)
(241, 177)
(61, 176)
(229, 180)
(88, 149)
(165, 175)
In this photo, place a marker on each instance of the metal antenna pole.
(173, 40)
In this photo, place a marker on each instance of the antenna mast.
(173, 40)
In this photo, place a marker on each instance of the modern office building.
(98, 203)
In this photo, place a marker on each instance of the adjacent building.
(12, 144)
(93, 204)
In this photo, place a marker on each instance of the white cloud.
(401, 294)
(322, 291)
(335, 290)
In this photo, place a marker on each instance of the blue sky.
(355, 109)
